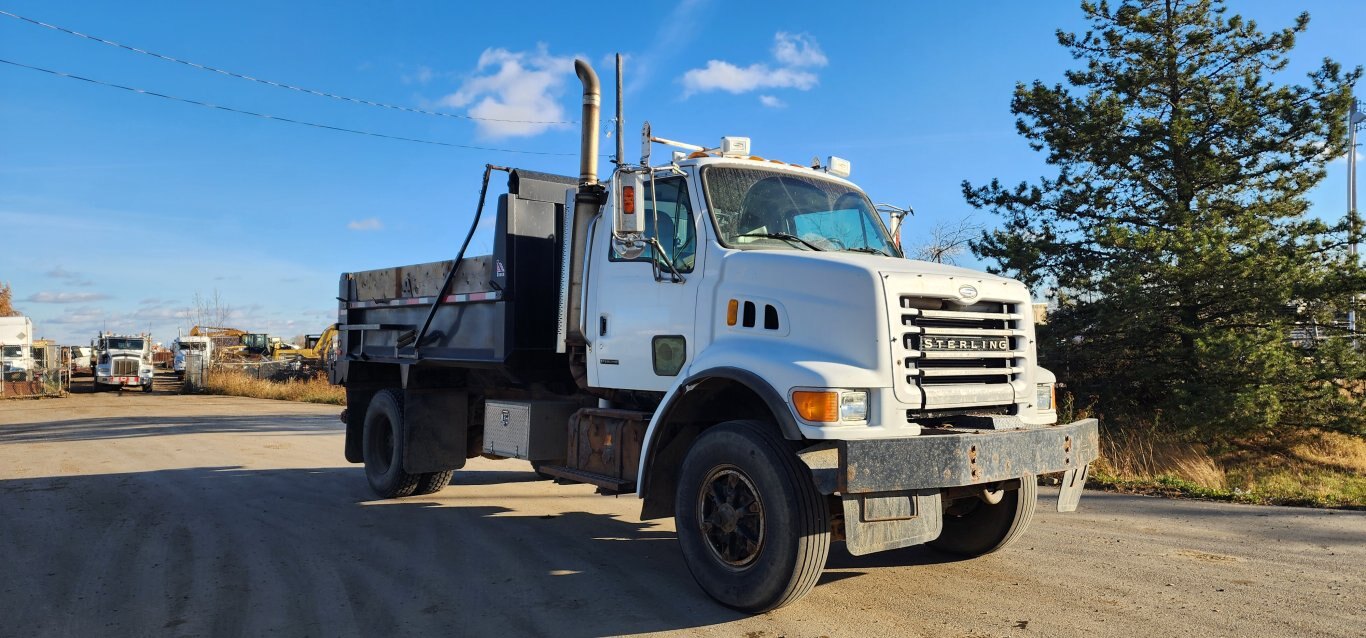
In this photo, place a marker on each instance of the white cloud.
(771, 102)
(797, 50)
(522, 85)
(795, 55)
(65, 297)
(369, 223)
(83, 316)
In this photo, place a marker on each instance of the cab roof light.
(837, 166)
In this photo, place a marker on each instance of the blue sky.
(117, 208)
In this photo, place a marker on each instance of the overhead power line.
(276, 117)
(282, 85)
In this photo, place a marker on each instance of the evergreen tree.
(1176, 238)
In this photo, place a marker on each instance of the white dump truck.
(16, 348)
(735, 340)
(122, 361)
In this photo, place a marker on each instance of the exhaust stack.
(592, 104)
(588, 203)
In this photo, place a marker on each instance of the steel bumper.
(940, 459)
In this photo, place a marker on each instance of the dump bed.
(499, 311)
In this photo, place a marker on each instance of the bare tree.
(947, 241)
(209, 311)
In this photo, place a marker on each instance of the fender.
(777, 406)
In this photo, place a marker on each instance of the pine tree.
(1176, 237)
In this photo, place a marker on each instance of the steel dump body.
(499, 311)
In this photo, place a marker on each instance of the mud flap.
(1073, 481)
(435, 423)
(890, 520)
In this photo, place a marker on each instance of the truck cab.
(122, 361)
(16, 348)
(184, 345)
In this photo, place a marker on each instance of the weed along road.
(161, 514)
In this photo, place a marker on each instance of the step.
(605, 484)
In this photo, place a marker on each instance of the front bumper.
(123, 381)
(937, 460)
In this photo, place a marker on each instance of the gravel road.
(216, 516)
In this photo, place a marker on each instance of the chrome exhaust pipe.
(588, 202)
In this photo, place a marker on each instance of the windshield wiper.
(784, 236)
(866, 249)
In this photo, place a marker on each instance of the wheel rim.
(731, 516)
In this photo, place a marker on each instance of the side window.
(669, 219)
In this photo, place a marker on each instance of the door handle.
(602, 325)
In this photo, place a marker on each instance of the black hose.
(459, 257)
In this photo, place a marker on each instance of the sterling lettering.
(965, 343)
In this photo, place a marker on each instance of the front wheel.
(754, 531)
(975, 525)
(383, 447)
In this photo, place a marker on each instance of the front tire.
(974, 527)
(383, 447)
(754, 531)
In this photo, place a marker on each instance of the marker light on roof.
(735, 147)
(837, 166)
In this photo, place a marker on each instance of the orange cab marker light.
(732, 311)
(817, 407)
(628, 200)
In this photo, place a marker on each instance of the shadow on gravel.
(128, 427)
(229, 551)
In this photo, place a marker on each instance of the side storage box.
(530, 430)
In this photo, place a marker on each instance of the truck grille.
(125, 367)
(942, 344)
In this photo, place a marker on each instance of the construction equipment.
(315, 353)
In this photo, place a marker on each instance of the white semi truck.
(735, 340)
(16, 348)
(122, 361)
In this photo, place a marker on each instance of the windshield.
(756, 208)
(123, 343)
(13, 351)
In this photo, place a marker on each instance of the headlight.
(831, 406)
(1045, 397)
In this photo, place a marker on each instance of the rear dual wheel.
(383, 443)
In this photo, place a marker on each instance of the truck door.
(640, 315)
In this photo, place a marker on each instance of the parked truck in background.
(185, 344)
(122, 361)
(737, 341)
(80, 359)
(16, 348)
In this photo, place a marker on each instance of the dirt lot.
(174, 515)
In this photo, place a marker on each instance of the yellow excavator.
(316, 351)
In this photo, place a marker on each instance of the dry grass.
(239, 384)
(1301, 467)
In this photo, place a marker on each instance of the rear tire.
(432, 482)
(973, 527)
(384, 447)
(754, 531)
